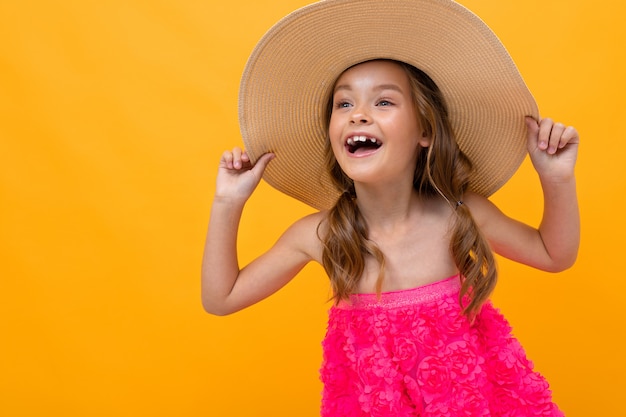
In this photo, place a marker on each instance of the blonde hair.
(442, 170)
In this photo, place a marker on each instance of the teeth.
(354, 139)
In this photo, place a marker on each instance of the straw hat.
(287, 81)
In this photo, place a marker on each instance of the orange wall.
(113, 115)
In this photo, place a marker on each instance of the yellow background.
(113, 115)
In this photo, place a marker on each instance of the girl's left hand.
(553, 148)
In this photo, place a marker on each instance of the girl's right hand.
(237, 178)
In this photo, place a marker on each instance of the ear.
(425, 140)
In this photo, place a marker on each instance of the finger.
(555, 138)
(532, 130)
(245, 158)
(570, 135)
(227, 159)
(237, 164)
(545, 128)
(261, 164)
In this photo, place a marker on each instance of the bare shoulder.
(483, 211)
(508, 237)
(304, 235)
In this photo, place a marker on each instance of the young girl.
(408, 240)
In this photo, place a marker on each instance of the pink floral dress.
(412, 353)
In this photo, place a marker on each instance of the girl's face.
(374, 132)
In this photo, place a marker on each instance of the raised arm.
(225, 287)
(553, 246)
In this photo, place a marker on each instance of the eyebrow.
(380, 87)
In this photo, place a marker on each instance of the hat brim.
(287, 80)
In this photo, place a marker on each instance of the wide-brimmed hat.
(287, 81)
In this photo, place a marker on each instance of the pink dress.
(412, 353)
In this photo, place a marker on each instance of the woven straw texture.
(287, 81)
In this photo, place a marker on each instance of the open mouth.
(362, 144)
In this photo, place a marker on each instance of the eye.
(384, 103)
(341, 104)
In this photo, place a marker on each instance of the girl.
(407, 243)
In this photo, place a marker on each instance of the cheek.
(334, 133)
(336, 147)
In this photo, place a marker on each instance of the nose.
(359, 117)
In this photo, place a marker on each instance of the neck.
(387, 207)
